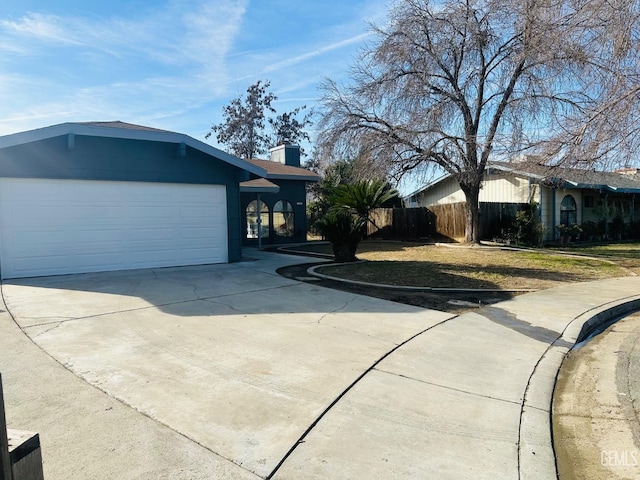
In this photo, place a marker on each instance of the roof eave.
(306, 178)
(127, 134)
(515, 171)
(250, 189)
(621, 190)
(429, 185)
(602, 187)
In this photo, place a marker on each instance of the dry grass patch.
(396, 263)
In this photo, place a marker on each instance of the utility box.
(20, 456)
(25, 455)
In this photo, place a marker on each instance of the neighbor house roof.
(279, 171)
(130, 131)
(565, 177)
(573, 177)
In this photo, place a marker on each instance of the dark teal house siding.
(293, 191)
(80, 157)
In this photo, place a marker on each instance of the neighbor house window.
(568, 211)
(283, 219)
(252, 219)
(588, 201)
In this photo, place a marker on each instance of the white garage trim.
(51, 227)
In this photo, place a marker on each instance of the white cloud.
(47, 28)
(314, 53)
(175, 65)
(172, 35)
(62, 68)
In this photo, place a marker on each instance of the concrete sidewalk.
(231, 371)
(469, 398)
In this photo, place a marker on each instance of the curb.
(312, 271)
(536, 459)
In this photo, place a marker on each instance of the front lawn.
(397, 263)
(625, 254)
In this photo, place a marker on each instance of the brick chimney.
(286, 154)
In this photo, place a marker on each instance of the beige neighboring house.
(564, 195)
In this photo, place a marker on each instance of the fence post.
(5, 462)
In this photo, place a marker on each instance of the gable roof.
(119, 124)
(279, 171)
(572, 177)
(129, 131)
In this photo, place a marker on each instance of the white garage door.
(53, 227)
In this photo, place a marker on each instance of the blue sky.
(170, 64)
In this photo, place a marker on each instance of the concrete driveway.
(233, 372)
(235, 358)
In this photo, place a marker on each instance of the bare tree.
(455, 82)
(243, 128)
(288, 129)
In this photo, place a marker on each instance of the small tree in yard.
(345, 225)
(527, 228)
(452, 83)
(335, 173)
(322, 192)
(243, 130)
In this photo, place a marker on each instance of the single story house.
(279, 196)
(564, 195)
(98, 196)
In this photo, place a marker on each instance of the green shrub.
(572, 230)
(617, 227)
(589, 229)
(344, 230)
(526, 228)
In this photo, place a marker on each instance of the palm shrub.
(362, 197)
(344, 230)
(345, 224)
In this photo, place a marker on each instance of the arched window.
(283, 219)
(568, 211)
(252, 219)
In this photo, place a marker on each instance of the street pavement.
(595, 408)
(232, 371)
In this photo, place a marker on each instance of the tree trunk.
(344, 251)
(472, 213)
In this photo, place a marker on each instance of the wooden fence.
(439, 221)
(497, 217)
(401, 223)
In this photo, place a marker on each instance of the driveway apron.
(234, 357)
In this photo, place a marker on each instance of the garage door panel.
(162, 256)
(98, 236)
(39, 263)
(153, 234)
(200, 232)
(68, 226)
(100, 261)
(189, 255)
(146, 212)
